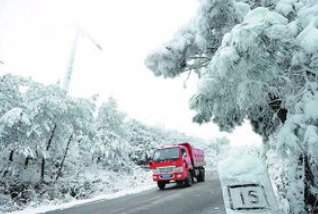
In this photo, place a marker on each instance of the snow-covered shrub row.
(56, 148)
(145, 139)
(257, 60)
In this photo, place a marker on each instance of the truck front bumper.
(173, 177)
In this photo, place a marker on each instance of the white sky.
(36, 38)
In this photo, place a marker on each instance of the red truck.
(179, 163)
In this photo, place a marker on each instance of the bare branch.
(199, 57)
(185, 81)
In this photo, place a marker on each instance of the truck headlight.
(155, 171)
(179, 169)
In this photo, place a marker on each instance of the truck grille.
(169, 169)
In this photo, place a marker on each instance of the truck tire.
(179, 182)
(161, 185)
(189, 180)
(201, 176)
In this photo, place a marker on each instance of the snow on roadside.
(46, 208)
(139, 181)
(241, 165)
(244, 168)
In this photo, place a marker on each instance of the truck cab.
(178, 163)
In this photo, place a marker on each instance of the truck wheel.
(179, 182)
(189, 180)
(161, 185)
(201, 176)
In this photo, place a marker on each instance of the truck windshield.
(166, 155)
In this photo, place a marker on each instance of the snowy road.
(201, 198)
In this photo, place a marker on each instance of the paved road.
(201, 198)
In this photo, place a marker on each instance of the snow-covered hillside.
(56, 148)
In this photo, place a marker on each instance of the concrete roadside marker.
(246, 186)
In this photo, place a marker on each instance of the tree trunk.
(62, 163)
(42, 169)
(309, 198)
(10, 159)
(51, 138)
(26, 162)
(275, 105)
(11, 156)
(49, 143)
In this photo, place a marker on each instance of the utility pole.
(68, 75)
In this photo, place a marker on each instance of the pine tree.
(264, 68)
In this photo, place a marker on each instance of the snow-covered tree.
(10, 92)
(143, 140)
(15, 127)
(195, 44)
(39, 126)
(14, 137)
(110, 145)
(264, 70)
(58, 119)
